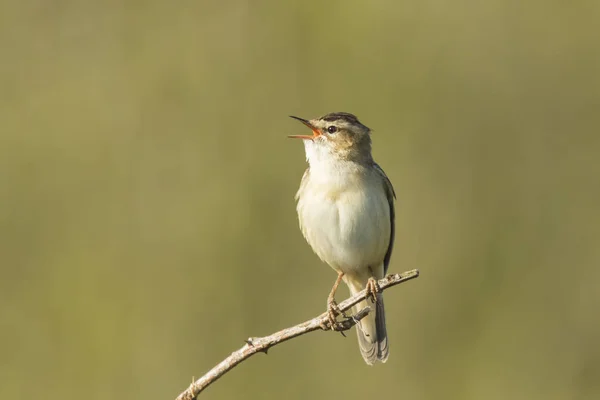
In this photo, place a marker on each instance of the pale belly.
(349, 230)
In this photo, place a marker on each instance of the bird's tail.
(371, 332)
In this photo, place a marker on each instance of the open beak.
(316, 132)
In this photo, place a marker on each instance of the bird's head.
(338, 136)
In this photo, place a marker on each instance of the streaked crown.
(343, 121)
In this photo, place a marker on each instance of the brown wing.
(391, 195)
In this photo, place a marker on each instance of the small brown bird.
(346, 213)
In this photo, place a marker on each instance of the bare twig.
(262, 344)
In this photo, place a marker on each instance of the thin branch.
(262, 344)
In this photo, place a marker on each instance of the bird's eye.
(332, 129)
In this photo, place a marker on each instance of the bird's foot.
(372, 289)
(333, 311)
(332, 307)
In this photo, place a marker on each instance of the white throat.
(327, 167)
(317, 153)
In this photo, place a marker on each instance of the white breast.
(344, 215)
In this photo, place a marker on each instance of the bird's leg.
(372, 289)
(332, 308)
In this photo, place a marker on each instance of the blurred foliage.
(147, 220)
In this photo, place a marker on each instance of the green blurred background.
(147, 220)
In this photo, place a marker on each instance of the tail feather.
(382, 339)
(372, 334)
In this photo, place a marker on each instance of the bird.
(346, 213)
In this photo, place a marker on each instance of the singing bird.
(345, 207)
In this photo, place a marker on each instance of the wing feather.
(391, 195)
